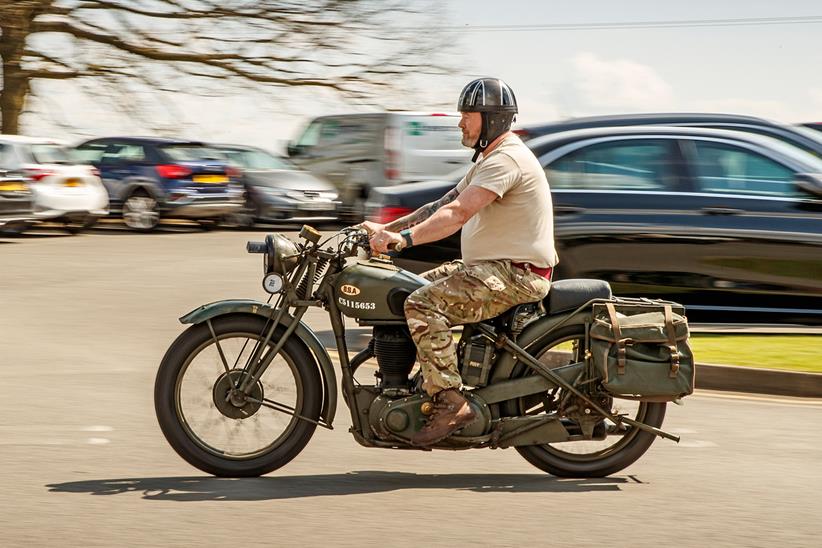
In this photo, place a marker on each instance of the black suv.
(728, 223)
(148, 178)
(798, 136)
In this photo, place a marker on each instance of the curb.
(731, 378)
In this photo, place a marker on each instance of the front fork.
(258, 363)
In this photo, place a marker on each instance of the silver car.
(277, 190)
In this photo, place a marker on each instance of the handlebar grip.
(256, 247)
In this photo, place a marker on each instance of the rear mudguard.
(302, 332)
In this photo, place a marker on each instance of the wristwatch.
(406, 235)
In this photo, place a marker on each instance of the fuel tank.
(374, 290)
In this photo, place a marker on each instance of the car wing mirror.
(809, 182)
(293, 150)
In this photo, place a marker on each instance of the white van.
(357, 152)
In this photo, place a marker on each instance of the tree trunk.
(16, 23)
(12, 99)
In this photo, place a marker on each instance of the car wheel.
(240, 219)
(14, 229)
(140, 212)
(208, 224)
(75, 227)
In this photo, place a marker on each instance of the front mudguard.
(302, 332)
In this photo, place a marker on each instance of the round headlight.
(282, 254)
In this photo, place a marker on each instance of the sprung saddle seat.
(565, 296)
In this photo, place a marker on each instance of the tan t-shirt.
(519, 224)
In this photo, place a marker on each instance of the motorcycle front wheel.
(616, 448)
(221, 430)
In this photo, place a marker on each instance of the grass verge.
(794, 352)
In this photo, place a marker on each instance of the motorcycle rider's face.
(471, 126)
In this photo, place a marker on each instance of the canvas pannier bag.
(642, 351)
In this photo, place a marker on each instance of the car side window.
(123, 153)
(722, 168)
(6, 157)
(637, 164)
(311, 135)
(89, 153)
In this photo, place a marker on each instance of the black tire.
(141, 212)
(196, 451)
(632, 444)
(76, 227)
(207, 225)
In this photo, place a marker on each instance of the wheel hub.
(232, 402)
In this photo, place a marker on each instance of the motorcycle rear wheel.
(218, 434)
(586, 459)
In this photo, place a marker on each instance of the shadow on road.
(186, 489)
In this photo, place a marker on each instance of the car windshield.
(192, 153)
(49, 153)
(255, 159)
(809, 133)
(813, 161)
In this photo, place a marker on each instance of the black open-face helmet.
(495, 101)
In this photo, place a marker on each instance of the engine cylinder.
(395, 353)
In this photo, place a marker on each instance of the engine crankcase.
(392, 418)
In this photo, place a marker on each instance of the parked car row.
(144, 180)
(728, 222)
(57, 189)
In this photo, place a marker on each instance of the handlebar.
(256, 247)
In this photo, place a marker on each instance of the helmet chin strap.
(479, 148)
(482, 141)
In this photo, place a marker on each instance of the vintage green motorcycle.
(242, 390)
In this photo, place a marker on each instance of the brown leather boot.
(451, 412)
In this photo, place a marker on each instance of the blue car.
(152, 178)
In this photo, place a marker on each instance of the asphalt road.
(85, 320)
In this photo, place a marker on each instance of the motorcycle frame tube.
(542, 328)
(338, 326)
(533, 333)
(301, 331)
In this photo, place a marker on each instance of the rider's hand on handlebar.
(383, 241)
(370, 227)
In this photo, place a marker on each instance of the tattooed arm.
(422, 213)
(438, 223)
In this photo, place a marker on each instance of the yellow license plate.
(73, 182)
(12, 187)
(210, 179)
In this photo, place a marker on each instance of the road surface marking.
(696, 443)
(98, 441)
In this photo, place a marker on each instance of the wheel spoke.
(231, 425)
(219, 348)
(282, 408)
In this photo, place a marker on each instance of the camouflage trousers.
(458, 295)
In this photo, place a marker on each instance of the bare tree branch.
(356, 48)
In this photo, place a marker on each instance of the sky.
(765, 70)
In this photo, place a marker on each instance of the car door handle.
(568, 210)
(721, 211)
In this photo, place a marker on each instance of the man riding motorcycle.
(503, 206)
